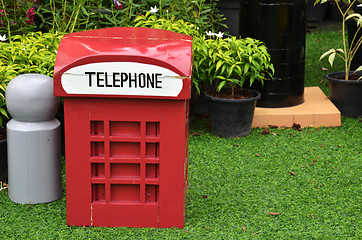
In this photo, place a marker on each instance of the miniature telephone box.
(126, 95)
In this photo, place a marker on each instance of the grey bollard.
(33, 136)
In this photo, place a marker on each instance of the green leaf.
(359, 68)
(84, 11)
(357, 15)
(221, 85)
(327, 53)
(3, 112)
(331, 58)
(219, 64)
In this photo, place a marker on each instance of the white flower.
(3, 38)
(359, 5)
(209, 33)
(220, 34)
(154, 9)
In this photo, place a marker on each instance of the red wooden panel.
(98, 193)
(128, 110)
(152, 193)
(152, 170)
(78, 168)
(125, 149)
(125, 170)
(122, 128)
(98, 170)
(152, 129)
(172, 156)
(97, 128)
(125, 193)
(125, 215)
(97, 149)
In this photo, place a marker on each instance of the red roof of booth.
(124, 44)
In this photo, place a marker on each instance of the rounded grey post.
(33, 136)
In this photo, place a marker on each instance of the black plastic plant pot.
(315, 13)
(281, 25)
(346, 95)
(3, 160)
(232, 118)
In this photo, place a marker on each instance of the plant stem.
(354, 46)
(232, 90)
(113, 16)
(357, 45)
(130, 9)
(76, 16)
(160, 7)
(7, 20)
(70, 21)
(348, 55)
(55, 22)
(344, 40)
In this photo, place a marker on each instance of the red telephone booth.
(126, 96)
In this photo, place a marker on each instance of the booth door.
(125, 162)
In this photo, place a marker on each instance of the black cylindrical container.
(281, 24)
(231, 11)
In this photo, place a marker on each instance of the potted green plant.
(228, 63)
(346, 86)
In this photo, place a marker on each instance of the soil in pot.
(232, 117)
(238, 95)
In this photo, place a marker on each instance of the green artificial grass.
(287, 184)
(310, 177)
